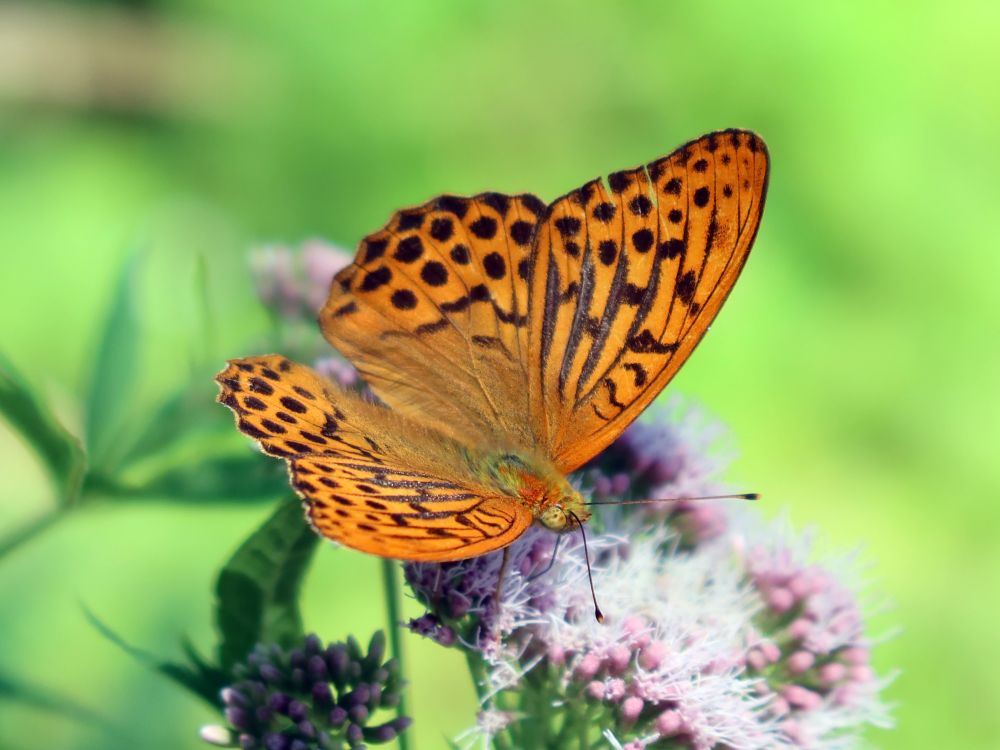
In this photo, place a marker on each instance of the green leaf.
(60, 451)
(221, 479)
(113, 379)
(44, 699)
(198, 677)
(258, 589)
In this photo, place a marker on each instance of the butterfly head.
(566, 513)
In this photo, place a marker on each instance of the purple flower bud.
(279, 702)
(337, 661)
(263, 714)
(669, 723)
(360, 695)
(233, 697)
(237, 717)
(401, 723)
(595, 689)
(653, 655)
(321, 694)
(556, 655)
(297, 711)
(771, 652)
(336, 717)
(631, 708)
(316, 667)
(800, 628)
(801, 661)
(800, 697)
(381, 733)
(297, 658)
(780, 600)
(618, 659)
(588, 666)
(832, 673)
(359, 713)
(313, 645)
(270, 673)
(298, 745)
(275, 741)
(306, 729)
(248, 742)
(354, 734)
(458, 604)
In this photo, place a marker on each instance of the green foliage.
(114, 374)
(257, 590)
(45, 699)
(59, 450)
(197, 675)
(257, 595)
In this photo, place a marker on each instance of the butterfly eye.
(554, 518)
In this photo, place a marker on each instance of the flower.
(310, 697)
(736, 638)
(295, 283)
(679, 454)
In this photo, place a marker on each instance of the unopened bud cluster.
(311, 697)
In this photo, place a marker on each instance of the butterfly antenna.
(586, 556)
(552, 561)
(739, 496)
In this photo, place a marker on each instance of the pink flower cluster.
(720, 632)
(815, 655)
(295, 283)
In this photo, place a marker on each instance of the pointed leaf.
(199, 677)
(258, 589)
(16, 690)
(60, 451)
(112, 381)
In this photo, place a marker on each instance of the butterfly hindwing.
(627, 278)
(404, 513)
(434, 313)
(370, 478)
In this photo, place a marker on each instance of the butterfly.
(509, 341)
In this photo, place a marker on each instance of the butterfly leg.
(552, 561)
(500, 576)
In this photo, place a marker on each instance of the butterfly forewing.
(627, 279)
(371, 479)
(434, 314)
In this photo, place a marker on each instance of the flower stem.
(394, 617)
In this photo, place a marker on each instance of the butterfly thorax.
(541, 488)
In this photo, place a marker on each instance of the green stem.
(477, 671)
(395, 617)
(11, 541)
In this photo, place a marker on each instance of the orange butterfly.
(511, 341)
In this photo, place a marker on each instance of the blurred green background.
(856, 362)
